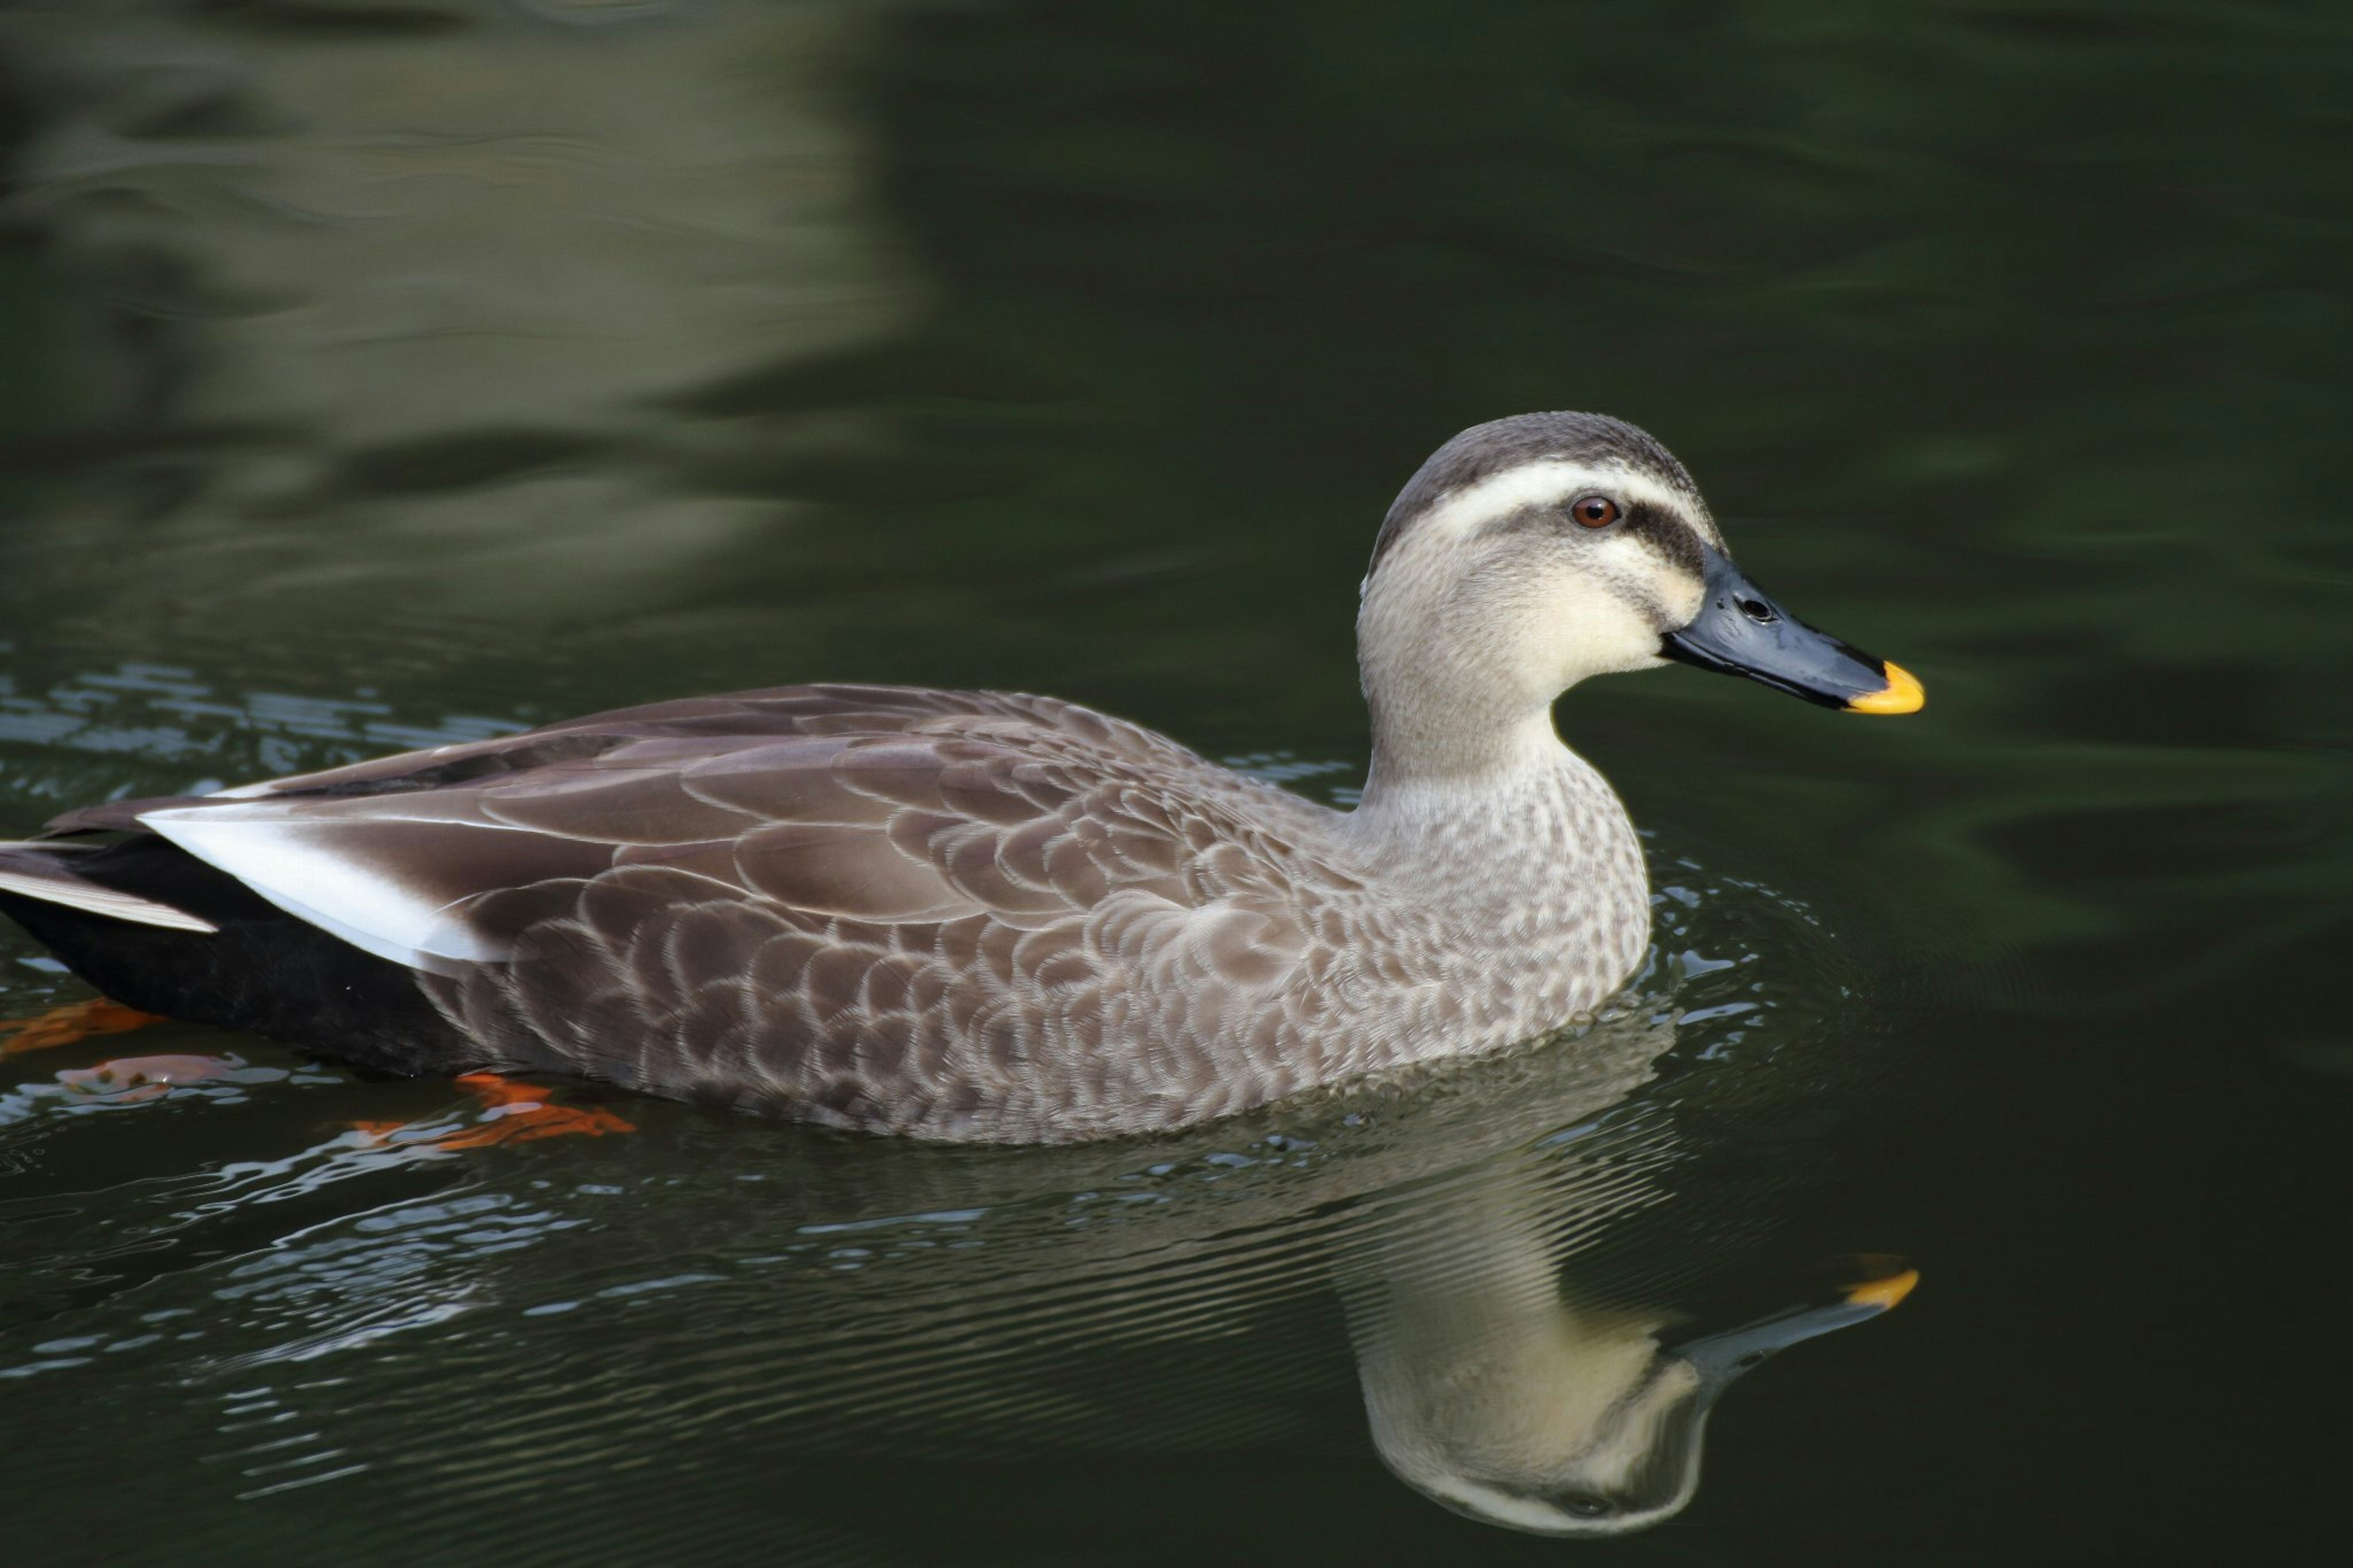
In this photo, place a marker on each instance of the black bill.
(1741, 631)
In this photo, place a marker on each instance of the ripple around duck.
(716, 1292)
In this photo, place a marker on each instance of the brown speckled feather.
(966, 914)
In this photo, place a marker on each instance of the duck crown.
(1485, 452)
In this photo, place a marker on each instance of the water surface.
(391, 373)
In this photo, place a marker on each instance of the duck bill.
(1742, 630)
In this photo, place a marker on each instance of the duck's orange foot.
(69, 1026)
(512, 1112)
(127, 1078)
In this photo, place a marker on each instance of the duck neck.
(1450, 718)
(1430, 756)
(1519, 879)
(1468, 778)
(1534, 815)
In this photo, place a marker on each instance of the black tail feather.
(263, 971)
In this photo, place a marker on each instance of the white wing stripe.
(296, 865)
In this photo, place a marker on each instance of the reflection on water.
(413, 304)
(1506, 1391)
(1509, 1252)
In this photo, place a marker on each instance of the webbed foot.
(71, 1024)
(512, 1112)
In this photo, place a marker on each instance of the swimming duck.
(974, 915)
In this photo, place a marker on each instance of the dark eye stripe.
(1666, 531)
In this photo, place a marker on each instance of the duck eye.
(1594, 511)
(1585, 1505)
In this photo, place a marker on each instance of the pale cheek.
(1683, 598)
(1585, 630)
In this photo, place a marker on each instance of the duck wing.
(857, 892)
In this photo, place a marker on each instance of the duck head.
(1530, 552)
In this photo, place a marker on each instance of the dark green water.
(381, 373)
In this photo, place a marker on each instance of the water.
(382, 375)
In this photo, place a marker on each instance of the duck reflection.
(1529, 1258)
(1496, 1386)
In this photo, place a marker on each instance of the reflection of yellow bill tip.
(1902, 694)
(1884, 1293)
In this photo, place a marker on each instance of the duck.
(983, 916)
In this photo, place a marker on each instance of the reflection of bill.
(427, 306)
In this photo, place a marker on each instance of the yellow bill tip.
(1884, 1293)
(1902, 694)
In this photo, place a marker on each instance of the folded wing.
(878, 807)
